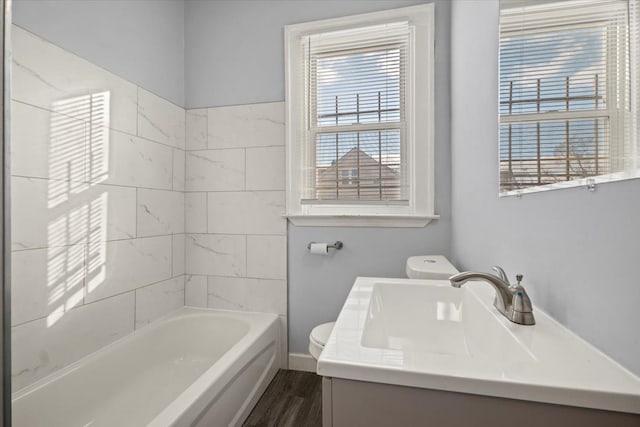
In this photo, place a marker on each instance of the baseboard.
(302, 362)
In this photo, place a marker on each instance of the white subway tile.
(44, 281)
(156, 300)
(133, 161)
(208, 254)
(45, 144)
(265, 168)
(56, 213)
(119, 203)
(196, 129)
(46, 345)
(215, 170)
(52, 78)
(255, 125)
(195, 288)
(160, 212)
(124, 265)
(47, 213)
(234, 293)
(160, 120)
(195, 207)
(259, 212)
(267, 257)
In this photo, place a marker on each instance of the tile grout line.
(229, 148)
(136, 224)
(245, 169)
(135, 308)
(92, 184)
(124, 132)
(186, 234)
(78, 306)
(184, 206)
(173, 177)
(246, 256)
(37, 248)
(107, 184)
(171, 260)
(137, 110)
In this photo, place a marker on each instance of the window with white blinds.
(356, 83)
(568, 92)
(355, 86)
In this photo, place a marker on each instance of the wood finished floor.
(293, 399)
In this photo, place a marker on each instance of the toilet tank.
(434, 267)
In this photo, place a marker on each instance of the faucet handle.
(521, 301)
(500, 272)
(519, 278)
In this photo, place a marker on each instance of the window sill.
(588, 183)
(361, 220)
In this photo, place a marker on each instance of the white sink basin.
(437, 320)
(423, 333)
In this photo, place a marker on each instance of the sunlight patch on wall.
(78, 160)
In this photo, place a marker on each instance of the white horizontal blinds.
(634, 31)
(356, 113)
(564, 90)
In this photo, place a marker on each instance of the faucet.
(511, 301)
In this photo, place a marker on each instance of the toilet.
(431, 267)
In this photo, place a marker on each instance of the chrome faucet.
(511, 301)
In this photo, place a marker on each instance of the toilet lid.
(320, 333)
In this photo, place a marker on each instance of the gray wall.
(139, 40)
(235, 49)
(251, 66)
(578, 251)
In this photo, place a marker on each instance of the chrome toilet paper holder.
(337, 245)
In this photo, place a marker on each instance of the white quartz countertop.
(427, 334)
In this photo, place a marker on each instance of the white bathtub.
(195, 367)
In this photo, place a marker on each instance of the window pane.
(553, 71)
(547, 152)
(360, 87)
(565, 109)
(358, 165)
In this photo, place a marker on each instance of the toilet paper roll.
(319, 248)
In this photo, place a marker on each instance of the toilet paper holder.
(337, 245)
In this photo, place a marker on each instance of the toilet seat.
(319, 337)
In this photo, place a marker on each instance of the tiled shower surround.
(102, 194)
(236, 244)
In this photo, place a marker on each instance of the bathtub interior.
(136, 378)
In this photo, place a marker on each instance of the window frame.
(418, 139)
(613, 112)
(315, 129)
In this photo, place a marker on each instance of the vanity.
(423, 353)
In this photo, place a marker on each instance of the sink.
(437, 319)
(427, 334)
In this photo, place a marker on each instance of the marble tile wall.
(125, 208)
(236, 243)
(98, 218)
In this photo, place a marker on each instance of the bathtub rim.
(200, 395)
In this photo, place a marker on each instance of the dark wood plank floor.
(293, 399)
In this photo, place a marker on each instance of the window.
(360, 119)
(567, 93)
